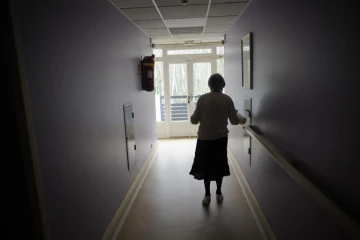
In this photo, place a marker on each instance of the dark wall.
(81, 64)
(305, 71)
(20, 186)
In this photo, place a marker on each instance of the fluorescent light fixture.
(186, 22)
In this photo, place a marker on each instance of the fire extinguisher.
(147, 73)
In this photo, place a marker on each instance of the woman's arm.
(242, 120)
(195, 118)
(234, 117)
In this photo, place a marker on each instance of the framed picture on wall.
(246, 57)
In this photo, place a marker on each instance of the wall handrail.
(336, 213)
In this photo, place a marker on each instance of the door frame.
(186, 124)
(130, 141)
(164, 129)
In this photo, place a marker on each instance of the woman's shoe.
(206, 200)
(219, 198)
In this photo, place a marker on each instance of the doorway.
(129, 135)
(181, 77)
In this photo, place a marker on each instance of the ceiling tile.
(192, 36)
(132, 3)
(213, 35)
(226, 9)
(150, 24)
(228, 1)
(217, 29)
(155, 31)
(162, 37)
(180, 37)
(221, 21)
(142, 13)
(195, 11)
(185, 22)
(161, 3)
(164, 41)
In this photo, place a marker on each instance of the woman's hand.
(242, 120)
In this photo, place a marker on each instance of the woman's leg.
(218, 185)
(207, 181)
(207, 186)
(223, 158)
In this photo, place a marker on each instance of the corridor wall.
(81, 66)
(304, 102)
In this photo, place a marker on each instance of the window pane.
(189, 51)
(202, 72)
(178, 92)
(220, 66)
(220, 50)
(158, 52)
(159, 92)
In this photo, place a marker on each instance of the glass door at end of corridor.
(201, 71)
(188, 80)
(178, 99)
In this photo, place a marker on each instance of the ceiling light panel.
(185, 22)
(186, 30)
(226, 9)
(228, 1)
(190, 36)
(176, 12)
(162, 3)
(181, 41)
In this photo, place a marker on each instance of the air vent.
(186, 30)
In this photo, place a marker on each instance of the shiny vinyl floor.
(168, 205)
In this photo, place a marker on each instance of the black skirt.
(210, 159)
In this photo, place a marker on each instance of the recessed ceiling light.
(185, 22)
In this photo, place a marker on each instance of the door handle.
(188, 99)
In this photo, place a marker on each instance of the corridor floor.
(168, 205)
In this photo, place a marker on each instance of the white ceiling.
(168, 21)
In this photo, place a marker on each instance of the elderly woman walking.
(212, 112)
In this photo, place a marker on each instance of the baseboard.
(121, 213)
(259, 216)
